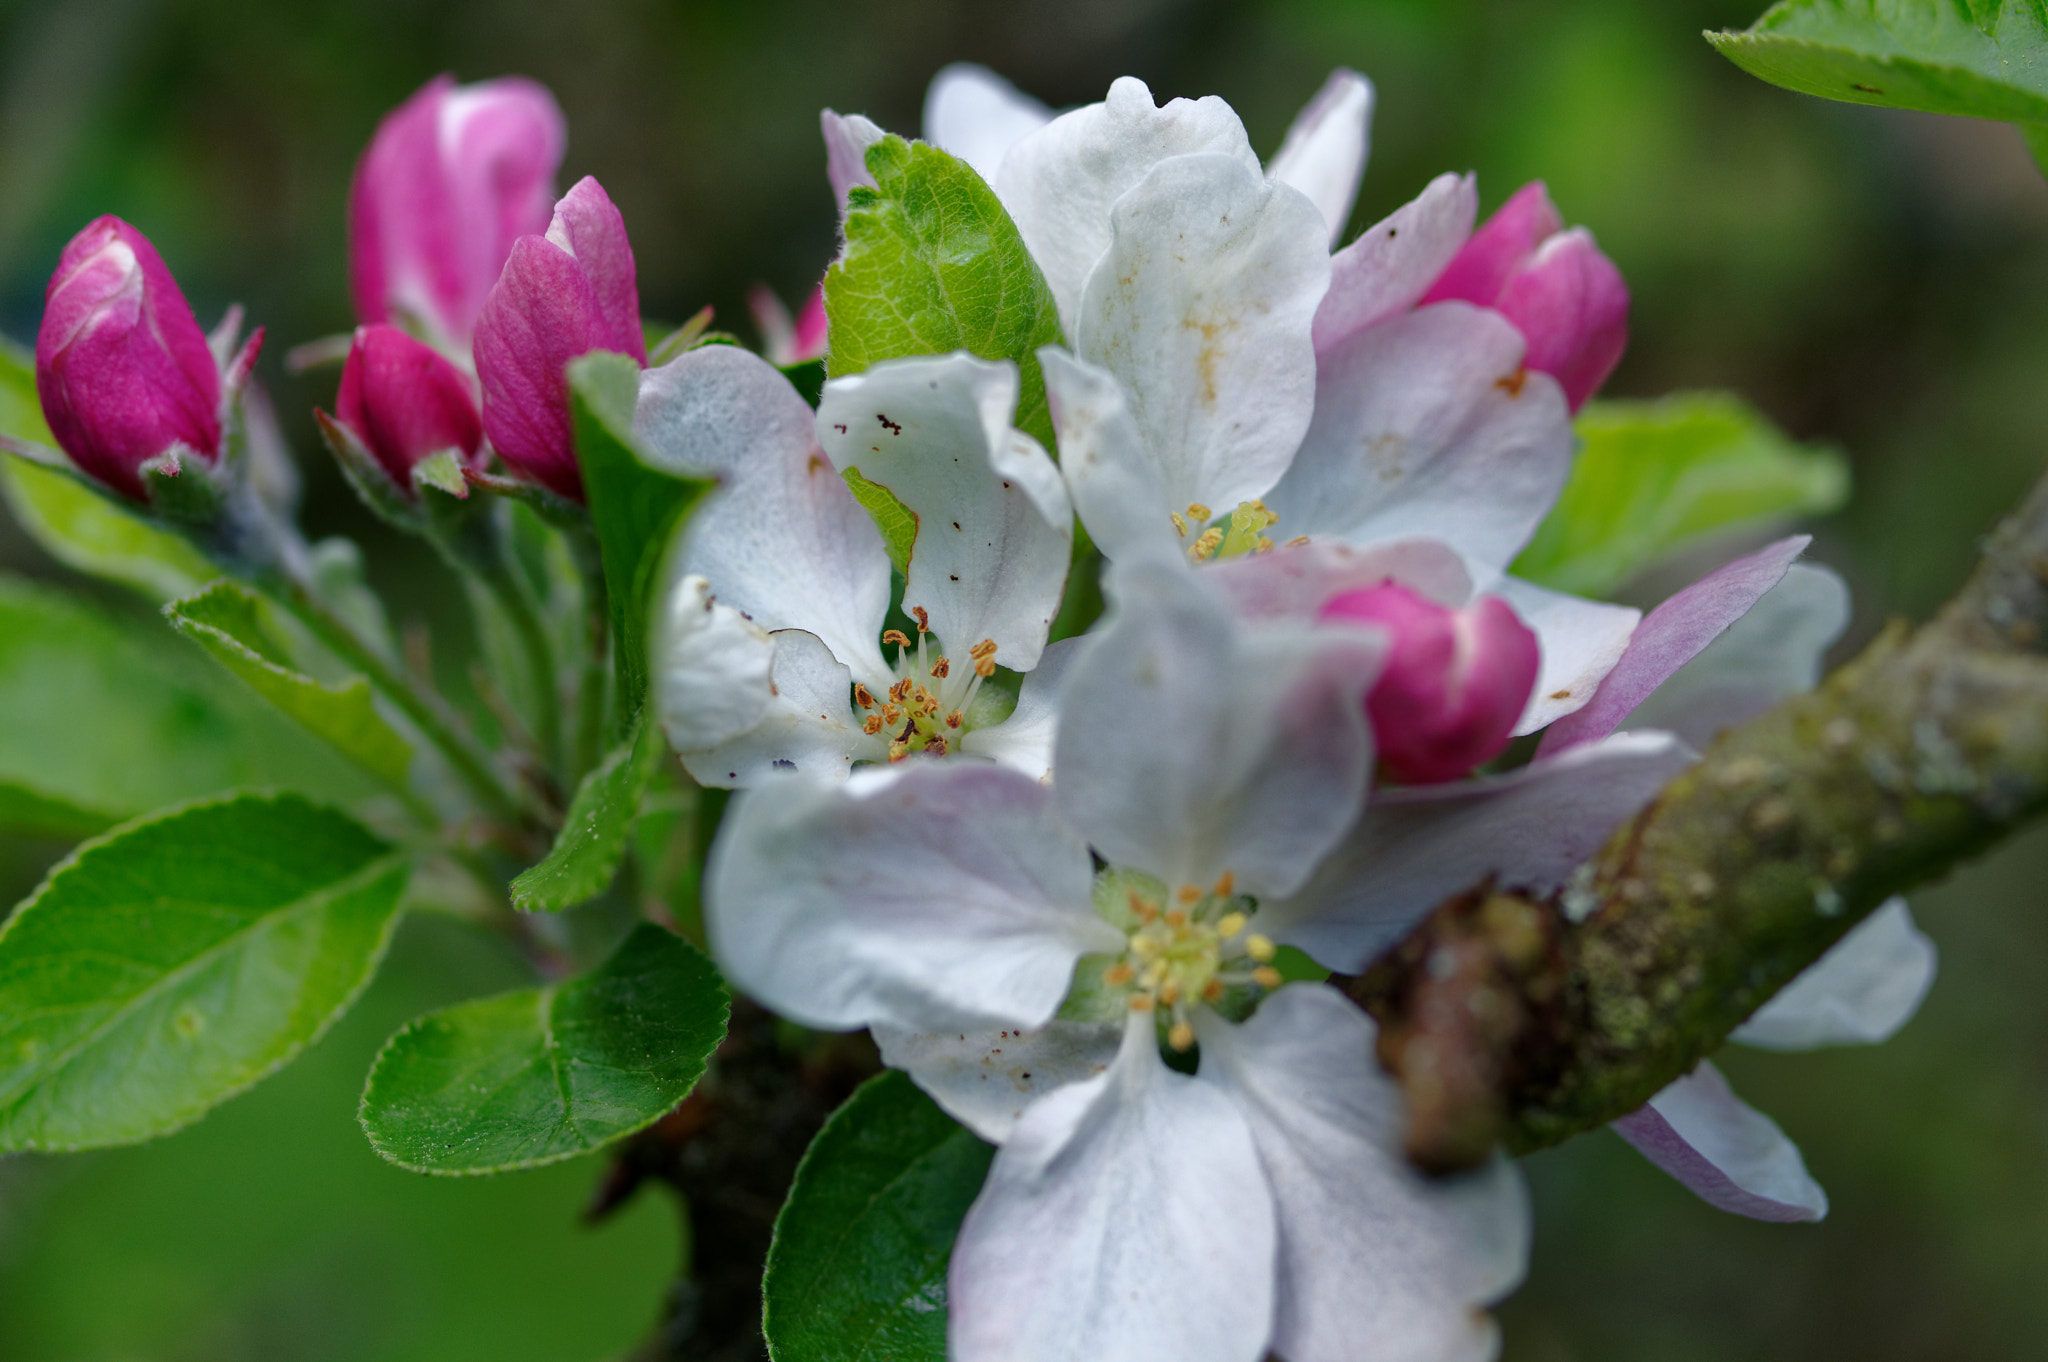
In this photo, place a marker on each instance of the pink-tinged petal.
(1324, 154)
(1454, 683)
(1481, 269)
(809, 340)
(978, 116)
(847, 139)
(987, 1079)
(1415, 847)
(404, 401)
(1672, 635)
(122, 368)
(589, 227)
(934, 895)
(1571, 304)
(1582, 641)
(1393, 263)
(1377, 1262)
(1868, 985)
(1191, 744)
(450, 180)
(1126, 1217)
(1294, 582)
(1730, 1154)
(784, 341)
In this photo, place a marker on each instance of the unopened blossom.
(125, 375)
(785, 340)
(453, 177)
(771, 647)
(561, 296)
(1134, 1211)
(404, 401)
(1566, 298)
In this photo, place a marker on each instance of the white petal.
(1377, 1262)
(1190, 744)
(1581, 641)
(1126, 1218)
(988, 561)
(1427, 426)
(712, 666)
(1295, 582)
(847, 139)
(1118, 491)
(1773, 651)
(944, 894)
(782, 541)
(807, 728)
(1201, 307)
(985, 1079)
(1392, 264)
(1324, 154)
(1059, 182)
(1730, 1154)
(1868, 985)
(978, 116)
(1023, 742)
(1416, 847)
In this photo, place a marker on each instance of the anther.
(1198, 512)
(1212, 992)
(953, 719)
(1180, 523)
(940, 668)
(1265, 976)
(936, 747)
(1181, 1037)
(1141, 1002)
(924, 621)
(871, 725)
(900, 691)
(1187, 893)
(1297, 541)
(1230, 924)
(897, 637)
(1206, 544)
(1117, 975)
(890, 714)
(1142, 908)
(862, 696)
(1226, 885)
(1170, 994)
(1176, 918)
(1260, 948)
(1264, 545)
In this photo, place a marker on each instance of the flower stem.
(590, 687)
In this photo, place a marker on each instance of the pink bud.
(1565, 297)
(405, 401)
(785, 342)
(123, 370)
(562, 295)
(452, 178)
(1455, 680)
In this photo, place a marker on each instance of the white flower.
(1135, 1211)
(768, 645)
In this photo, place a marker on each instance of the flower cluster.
(1086, 885)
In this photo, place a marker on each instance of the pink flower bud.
(1566, 298)
(404, 401)
(123, 370)
(562, 295)
(785, 342)
(452, 178)
(1455, 680)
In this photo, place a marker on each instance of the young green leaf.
(102, 720)
(1653, 477)
(1986, 59)
(857, 1272)
(542, 1074)
(172, 963)
(634, 505)
(592, 841)
(223, 619)
(933, 264)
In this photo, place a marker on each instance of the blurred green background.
(1871, 279)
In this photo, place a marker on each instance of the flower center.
(930, 706)
(1242, 531)
(1183, 949)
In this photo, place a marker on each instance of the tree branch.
(1509, 1021)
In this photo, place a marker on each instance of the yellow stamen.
(1265, 976)
(1181, 1036)
(1260, 948)
(1230, 924)
(1197, 511)
(1180, 523)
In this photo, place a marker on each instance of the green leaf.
(103, 718)
(857, 1271)
(172, 963)
(634, 505)
(542, 1074)
(1654, 477)
(1983, 58)
(592, 841)
(933, 264)
(897, 522)
(224, 620)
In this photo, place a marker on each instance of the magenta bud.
(404, 401)
(452, 178)
(123, 370)
(1455, 680)
(1566, 298)
(562, 295)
